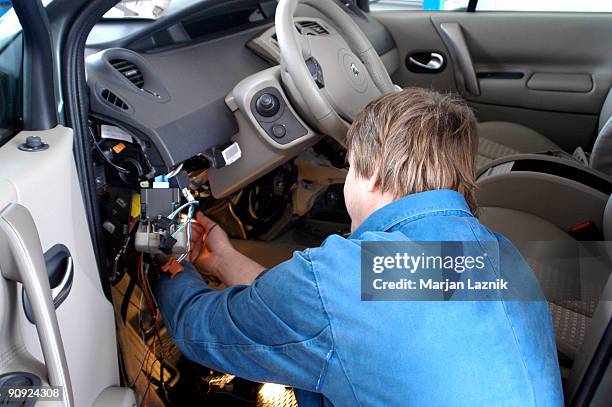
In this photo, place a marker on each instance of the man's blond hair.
(416, 140)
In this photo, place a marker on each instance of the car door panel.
(548, 71)
(46, 183)
(23, 262)
(414, 32)
(539, 44)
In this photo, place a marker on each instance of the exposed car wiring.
(142, 148)
(114, 277)
(147, 292)
(148, 303)
(232, 212)
(104, 157)
(148, 296)
(190, 205)
(158, 373)
(174, 171)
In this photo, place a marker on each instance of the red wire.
(146, 395)
(146, 289)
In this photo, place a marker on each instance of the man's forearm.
(237, 269)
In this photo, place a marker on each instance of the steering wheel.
(331, 77)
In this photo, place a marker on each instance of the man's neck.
(376, 202)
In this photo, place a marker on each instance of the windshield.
(9, 23)
(147, 9)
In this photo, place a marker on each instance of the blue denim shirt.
(303, 324)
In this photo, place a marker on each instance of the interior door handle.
(60, 268)
(435, 62)
(24, 262)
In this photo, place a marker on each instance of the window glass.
(545, 5)
(9, 23)
(429, 5)
(147, 9)
(11, 56)
(5, 6)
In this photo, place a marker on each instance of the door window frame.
(14, 89)
(472, 5)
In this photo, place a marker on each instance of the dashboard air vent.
(113, 99)
(129, 70)
(311, 28)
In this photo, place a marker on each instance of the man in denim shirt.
(303, 324)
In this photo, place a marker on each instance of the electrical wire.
(180, 208)
(191, 205)
(151, 302)
(145, 396)
(148, 298)
(174, 171)
(140, 369)
(122, 251)
(108, 161)
(232, 212)
(188, 223)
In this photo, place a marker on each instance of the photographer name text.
(412, 264)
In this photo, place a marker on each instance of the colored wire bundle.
(190, 205)
(151, 303)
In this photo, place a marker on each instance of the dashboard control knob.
(279, 130)
(267, 105)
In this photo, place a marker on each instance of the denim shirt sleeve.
(274, 330)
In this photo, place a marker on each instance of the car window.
(5, 6)
(428, 5)
(545, 5)
(141, 9)
(11, 57)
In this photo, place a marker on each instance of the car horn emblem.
(355, 70)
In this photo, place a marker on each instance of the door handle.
(60, 268)
(425, 61)
(23, 262)
(435, 62)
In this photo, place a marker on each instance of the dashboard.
(177, 84)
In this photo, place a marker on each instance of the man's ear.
(373, 182)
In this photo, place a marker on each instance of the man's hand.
(209, 244)
(213, 253)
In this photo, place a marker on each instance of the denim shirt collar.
(412, 207)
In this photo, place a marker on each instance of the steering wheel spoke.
(348, 83)
(304, 45)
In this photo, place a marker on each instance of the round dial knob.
(267, 105)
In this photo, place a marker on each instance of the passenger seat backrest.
(607, 221)
(606, 110)
(601, 156)
(600, 324)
